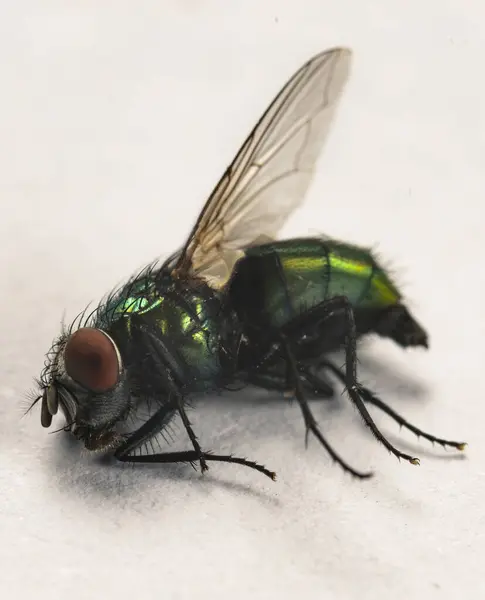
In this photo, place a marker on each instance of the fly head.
(87, 380)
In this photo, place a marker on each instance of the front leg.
(157, 423)
(164, 372)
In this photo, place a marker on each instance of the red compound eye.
(91, 358)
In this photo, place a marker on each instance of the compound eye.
(92, 359)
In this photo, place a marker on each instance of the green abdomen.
(281, 280)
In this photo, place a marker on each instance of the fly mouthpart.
(52, 400)
(45, 414)
(49, 405)
(68, 404)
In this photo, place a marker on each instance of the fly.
(234, 304)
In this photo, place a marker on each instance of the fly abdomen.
(275, 283)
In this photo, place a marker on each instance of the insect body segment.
(279, 281)
(234, 305)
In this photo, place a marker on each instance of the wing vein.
(268, 179)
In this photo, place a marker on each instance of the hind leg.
(310, 422)
(311, 325)
(371, 398)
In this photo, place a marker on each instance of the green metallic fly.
(234, 304)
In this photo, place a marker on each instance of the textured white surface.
(116, 118)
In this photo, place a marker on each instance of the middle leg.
(310, 423)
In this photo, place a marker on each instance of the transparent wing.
(270, 175)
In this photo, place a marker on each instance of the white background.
(116, 119)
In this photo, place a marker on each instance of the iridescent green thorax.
(138, 296)
(184, 319)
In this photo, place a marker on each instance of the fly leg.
(176, 402)
(319, 387)
(159, 350)
(190, 456)
(191, 434)
(370, 398)
(310, 423)
(271, 381)
(155, 424)
(292, 381)
(310, 320)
